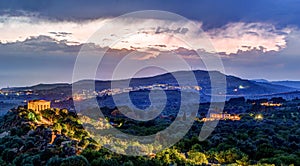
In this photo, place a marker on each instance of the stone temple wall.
(38, 105)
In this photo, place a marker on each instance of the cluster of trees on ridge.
(56, 137)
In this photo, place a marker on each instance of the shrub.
(31, 117)
(18, 160)
(31, 160)
(197, 158)
(3, 163)
(99, 161)
(171, 156)
(75, 161)
(8, 155)
(54, 161)
(91, 155)
(128, 163)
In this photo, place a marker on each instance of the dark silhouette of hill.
(235, 85)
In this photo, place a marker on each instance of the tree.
(91, 155)
(32, 160)
(197, 147)
(197, 158)
(31, 116)
(128, 163)
(171, 156)
(54, 161)
(264, 151)
(278, 100)
(75, 161)
(230, 156)
(237, 100)
(8, 155)
(98, 161)
(103, 162)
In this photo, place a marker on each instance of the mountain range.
(235, 86)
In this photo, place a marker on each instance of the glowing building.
(38, 105)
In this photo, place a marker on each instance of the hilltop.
(39, 138)
(264, 134)
(235, 86)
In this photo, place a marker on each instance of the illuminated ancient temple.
(38, 105)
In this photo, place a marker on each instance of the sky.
(40, 41)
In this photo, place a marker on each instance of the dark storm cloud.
(214, 13)
(50, 57)
(38, 44)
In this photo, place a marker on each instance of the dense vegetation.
(264, 135)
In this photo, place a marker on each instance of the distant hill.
(261, 80)
(286, 95)
(38, 87)
(235, 86)
(292, 84)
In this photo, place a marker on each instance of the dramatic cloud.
(214, 13)
(19, 28)
(45, 37)
(40, 45)
(163, 34)
(235, 37)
